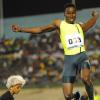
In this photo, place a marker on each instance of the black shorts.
(73, 64)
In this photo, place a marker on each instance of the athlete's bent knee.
(86, 80)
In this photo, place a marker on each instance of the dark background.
(17, 8)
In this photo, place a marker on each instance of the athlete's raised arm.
(87, 25)
(39, 29)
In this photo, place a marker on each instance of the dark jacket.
(7, 96)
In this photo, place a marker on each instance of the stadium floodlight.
(1, 19)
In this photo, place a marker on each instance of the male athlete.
(72, 39)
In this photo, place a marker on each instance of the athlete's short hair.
(69, 5)
(14, 80)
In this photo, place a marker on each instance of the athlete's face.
(16, 88)
(70, 14)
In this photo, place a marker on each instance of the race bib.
(74, 40)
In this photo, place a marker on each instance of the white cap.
(15, 79)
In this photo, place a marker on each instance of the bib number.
(74, 40)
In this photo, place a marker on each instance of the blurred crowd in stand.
(40, 58)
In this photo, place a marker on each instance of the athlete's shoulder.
(81, 24)
(57, 22)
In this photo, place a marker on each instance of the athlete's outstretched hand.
(94, 13)
(16, 28)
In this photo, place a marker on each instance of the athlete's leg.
(88, 83)
(67, 90)
(68, 82)
(68, 76)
